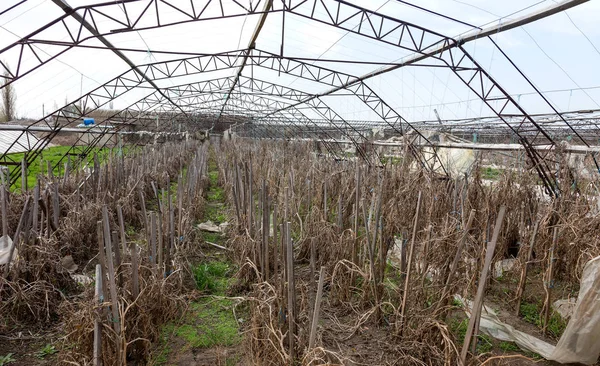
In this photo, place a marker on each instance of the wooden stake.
(265, 225)
(478, 302)
(317, 309)
(152, 239)
(135, 282)
(409, 267)
(98, 299)
(36, 209)
(117, 250)
(425, 255)
(4, 216)
(457, 257)
(291, 289)
(24, 174)
(111, 272)
(524, 269)
(550, 280)
(17, 237)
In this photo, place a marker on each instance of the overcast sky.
(559, 54)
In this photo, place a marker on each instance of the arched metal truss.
(251, 100)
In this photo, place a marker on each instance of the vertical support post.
(36, 209)
(55, 205)
(290, 292)
(525, 268)
(24, 174)
(477, 303)
(549, 285)
(4, 216)
(152, 246)
(317, 310)
(98, 299)
(111, 272)
(409, 267)
(457, 256)
(265, 224)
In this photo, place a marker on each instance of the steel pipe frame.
(415, 41)
(130, 79)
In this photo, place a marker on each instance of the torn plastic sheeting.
(578, 343)
(6, 245)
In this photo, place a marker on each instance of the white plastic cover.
(6, 245)
(579, 342)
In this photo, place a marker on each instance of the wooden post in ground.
(135, 282)
(101, 251)
(316, 311)
(275, 247)
(98, 299)
(409, 267)
(117, 251)
(549, 285)
(17, 237)
(265, 225)
(24, 174)
(424, 257)
(524, 269)
(55, 205)
(457, 257)
(171, 242)
(478, 302)
(36, 209)
(325, 217)
(111, 275)
(4, 205)
(152, 240)
(290, 292)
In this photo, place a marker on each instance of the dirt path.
(209, 331)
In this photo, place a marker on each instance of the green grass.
(213, 175)
(54, 154)
(212, 277)
(530, 312)
(209, 321)
(215, 195)
(490, 173)
(459, 329)
(509, 347)
(47, 350)
(6, 359)
(217, 325)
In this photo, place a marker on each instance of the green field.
(53, 155)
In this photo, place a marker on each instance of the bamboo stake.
(478, 302)
(524, 270)
(317, 309)
(408, 269)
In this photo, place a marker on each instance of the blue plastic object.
(88, 121)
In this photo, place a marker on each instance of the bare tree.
(9, 100)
